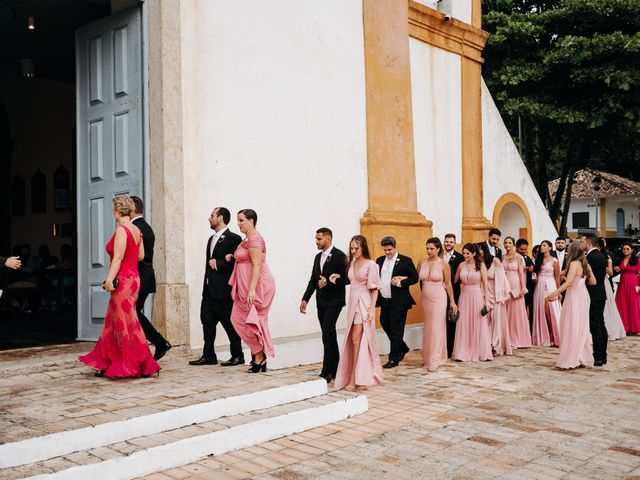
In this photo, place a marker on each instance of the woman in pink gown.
(612, 320)
(359, 365)
(516, 309)
(627, 295)
(122, 349)
(252, 289)
(435, 279)
(575, 336)
(546, 314)
(473, 336)
(497, 296)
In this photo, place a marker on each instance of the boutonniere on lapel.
(221, 239)
(328, 259)
(397, 260)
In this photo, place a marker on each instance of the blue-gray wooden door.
(109, 115)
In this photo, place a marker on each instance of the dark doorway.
(37, 167)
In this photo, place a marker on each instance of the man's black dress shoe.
(598, 363)
(233, 361)
(390, 364)
(203, 361)
(161, 350)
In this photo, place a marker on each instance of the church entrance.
(71, 136)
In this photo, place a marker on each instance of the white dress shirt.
(561, 254)
(214, 241)
(386, 274)
(323, 257)
(492, 249)
(448, 255)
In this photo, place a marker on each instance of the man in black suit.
(597, 293)
(216, 292)
(492, 242)
(329, 263)
(522, 246)
(561, 253)
(147, 280)
(397, 274)
(454, 259)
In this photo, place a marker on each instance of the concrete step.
(212, 430)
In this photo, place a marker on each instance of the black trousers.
(528, 301)
(598, 329)
(393, 322)
(328, 316)
(212, 312)
(149, 330)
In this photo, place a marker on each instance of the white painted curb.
(189, 450)
(62, 443)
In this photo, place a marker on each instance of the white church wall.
(458, 9)
(505, 172)
(437, 135)
(274, 119)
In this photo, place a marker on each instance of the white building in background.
(602, 202)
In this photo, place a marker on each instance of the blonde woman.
(122, 349)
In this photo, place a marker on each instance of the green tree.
(565, 75)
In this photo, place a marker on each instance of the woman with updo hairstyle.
(473, 336)
(435, 282)
(122, 349)
(546, 313)
(252, 289)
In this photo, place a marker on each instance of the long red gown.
(122, 349)
(627, 299)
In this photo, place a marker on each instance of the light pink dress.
(499, 293)
(516, 309)
(575, 337)
(434, 313)
(546, 332)
(252, 323)
(473, 337)
(366, 361)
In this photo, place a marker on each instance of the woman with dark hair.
(612, 321)
(628, 294)
(435, 280)
(516, 309)
(473, 337)
(546, 314)
(252, 289)
(575, 336)
(359, 365)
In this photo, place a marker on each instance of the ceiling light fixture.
(31, 23)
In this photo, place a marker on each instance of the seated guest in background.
(47, 261)
(66, 258)
(397, 274)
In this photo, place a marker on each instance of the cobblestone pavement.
(513, 418)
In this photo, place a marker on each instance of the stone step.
(149, 453)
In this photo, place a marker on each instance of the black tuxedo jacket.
(333, 294)
(554, 254)
(400, 296)
(498, 251)
(145, 266)
(528, 261)
(216, 282)
(454, 262)
(598, 263)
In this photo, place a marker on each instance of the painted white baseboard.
(192, 449)
(63, 443)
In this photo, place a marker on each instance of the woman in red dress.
(122, 349)
(627, 295)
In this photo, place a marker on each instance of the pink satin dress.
(363, 365)
(575, 336)
(252, 323)
(516, 308)
(546, 331)
(434, 313)
(627, 299)
(122, 349)
(499, 293)
(473, 336)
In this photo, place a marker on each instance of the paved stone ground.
(513, 418)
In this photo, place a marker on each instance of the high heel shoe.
(100, 373)
(259, 367)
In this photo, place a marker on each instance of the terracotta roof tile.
(612, 185)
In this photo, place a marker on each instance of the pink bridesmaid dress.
(627, 299)
(366, 360)
(252, 323)
(516, 309)
(499, 293)
(473, 337)
(546, 332)
(434, 312)
(612, 321)
(575, 337)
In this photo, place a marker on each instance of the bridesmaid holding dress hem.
(546, 314)
(359, 365)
